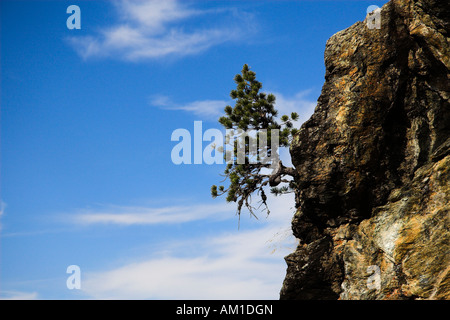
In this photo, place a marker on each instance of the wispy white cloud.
(152, 13)
(18, 295)
(206, 109)
(299, 102)
(2, 212)
(239, 275)
(150, 29)
(233, 265)
(123, 215)
(213, 109)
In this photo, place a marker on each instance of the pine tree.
(254, 110)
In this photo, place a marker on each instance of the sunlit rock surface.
(373, 192)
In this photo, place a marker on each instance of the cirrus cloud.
(152, 29)
(127, 215)
(245, 264)
(213, 109)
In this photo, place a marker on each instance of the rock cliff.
(373, 162)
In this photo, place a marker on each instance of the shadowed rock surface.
(374, 163)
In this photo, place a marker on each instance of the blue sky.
(86, 120)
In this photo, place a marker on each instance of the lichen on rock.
(373, 163)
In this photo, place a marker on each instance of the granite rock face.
(373, 162)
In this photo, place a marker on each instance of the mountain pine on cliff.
(254, 110)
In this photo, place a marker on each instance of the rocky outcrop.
(373, 162)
